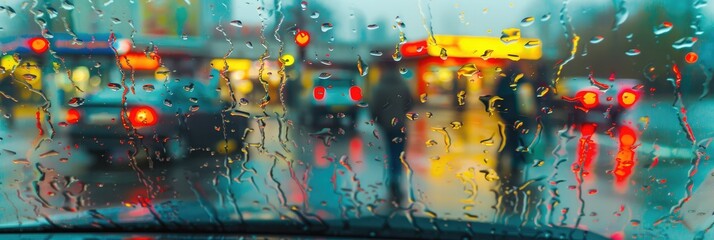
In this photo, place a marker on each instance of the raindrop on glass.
(324, 75)
(236, 23)
(66, 5)
(633, 52)
(75, 102)
(114, 86)
(326, 27)
(148, 87)
(597, 39)
(527, 21)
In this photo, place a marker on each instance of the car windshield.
(396, 119)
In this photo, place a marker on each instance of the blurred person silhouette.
(510, 159)
(517, 121)
(390, 103)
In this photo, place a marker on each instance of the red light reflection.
(625, 158)
(587, 150)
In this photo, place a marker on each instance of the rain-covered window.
(386, 119)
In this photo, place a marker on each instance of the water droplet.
(184, 36)
(545, 17)
(249, 44)
(527, 21)
(620, 16)
(75, 102)
(315, 15)
(592, 191)
(97, 65)
(243, 101)
(21, 161)
(361, 66)
(443, 54)
(325, 75)
(114, 86)
(372, 26)
(189, 87)
(403, 71)
(663, 28)
(52, 12)
(326, 62)
(193, 100)
(64, 160)
(303, 5)
(412, 116)
(456, 125)
(148, 87)
(67, 5)
(49, 153)
(423, 98)
(467, 70)
(168, 103)
(194, 108)
(326, 27)
(431, 142)
(684, 42)
(375, 53)
(236, 23)
(633, 52)
(532, 43)
(460, 97)
(116, 20)
(510, 35)
(10, 11)
(597, 39)
(700, 4)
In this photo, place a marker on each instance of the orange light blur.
(38, 45)
(139, 61)
(627, 98)
(73, 116)
(691, 57)
(302, 38)
(143, 116)
(625, 158)
(414, 49)
(588, 99)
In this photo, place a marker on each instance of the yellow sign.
(487, 47)
(231, 64)
(7, 63)
(287, 59)
(29, 72)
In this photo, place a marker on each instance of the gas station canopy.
(474, 46)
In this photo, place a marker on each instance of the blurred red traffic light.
(38, 45)
(73, 116)
(355, 93)
(143, 116)
(319, 93)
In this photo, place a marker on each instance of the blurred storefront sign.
(90, 44)
(436, 64)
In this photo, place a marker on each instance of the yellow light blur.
(29, 71)
(80, 74)
(244, 86)
(628, 98)
(232, 64)
(162, 73)
(471, 47)
(287, 60)
(7, 62)
(224, 147)
(445, 75)
(94, 81)
(589, 98)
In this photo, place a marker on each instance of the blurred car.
(169, 119)
(599, 101)
(333, 100)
